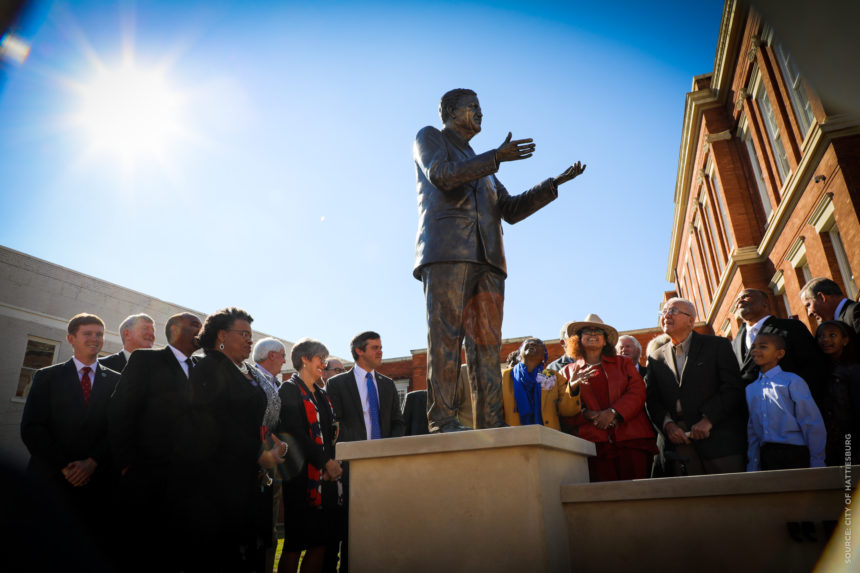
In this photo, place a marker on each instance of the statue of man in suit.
(460, 258)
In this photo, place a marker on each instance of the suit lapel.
(72, 385)
(101, 390)
(692, 355)
(738, 344)
(355, 399)
(669, 359)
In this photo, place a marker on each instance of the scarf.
(273, 400)
(527, 390)
(312, 415)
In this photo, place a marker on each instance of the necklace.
(243, 368)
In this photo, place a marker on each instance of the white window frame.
(771, 127)
(745, 136)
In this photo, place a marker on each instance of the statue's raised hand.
(571, 172)
(514, 150)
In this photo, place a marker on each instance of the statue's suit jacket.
(346, 401)
(461, 203)
(711, 385)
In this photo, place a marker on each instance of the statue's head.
(460, 110)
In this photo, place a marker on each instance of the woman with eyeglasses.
(234, 413)
(531, 394)
(613, 403)
(311, 491)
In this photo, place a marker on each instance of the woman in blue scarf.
(533, 395)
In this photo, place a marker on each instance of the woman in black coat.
(233, 415)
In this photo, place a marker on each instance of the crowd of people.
(183, 458)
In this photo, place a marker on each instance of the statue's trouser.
(464, 304)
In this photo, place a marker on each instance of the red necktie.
(86, 383)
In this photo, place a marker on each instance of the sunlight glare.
(131, 112)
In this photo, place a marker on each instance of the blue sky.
(286, 185)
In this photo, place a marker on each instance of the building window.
(770, 124)
(39, 354)
(718, 196)
(402, 388)
(794, 83)
(824, 221)
(697, 279)
(713, 233)
(745, 136)
(727, 329)
(777, 285)
(797, 257)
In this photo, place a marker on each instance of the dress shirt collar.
(80, 365)
(181, 358)
(127, 353)
(771, 374)
(361, 375)
(685, 345)
(755, 328)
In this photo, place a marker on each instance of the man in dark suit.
(459, 255)
(631, 348)
(415, 413)
(136, 331)
(696, 396)
(366, 407)
(823, 300)
(802, 355)
(151, 399)
(64, 426)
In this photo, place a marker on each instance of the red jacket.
(626, 395)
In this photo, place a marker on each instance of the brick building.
(768, 182)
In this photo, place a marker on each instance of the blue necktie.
(373, 405)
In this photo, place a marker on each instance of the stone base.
(484, 500)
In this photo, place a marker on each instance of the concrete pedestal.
(484, 500)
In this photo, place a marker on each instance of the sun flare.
(131, 112)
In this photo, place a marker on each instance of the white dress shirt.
(361, 381)
(752, 331)
(79, 366)
(181, 358)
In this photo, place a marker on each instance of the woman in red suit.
(613, 403)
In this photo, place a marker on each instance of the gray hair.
(131, 321)
(633, 338)
(266, 345)
(307, 348)
(820, 285)
(656, 343)
(690, 306)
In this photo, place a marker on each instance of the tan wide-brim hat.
(596, 322)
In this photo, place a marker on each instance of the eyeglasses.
(246, 334)
(592, 331)
(338, 370)
(672, 312)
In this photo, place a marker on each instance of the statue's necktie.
(373, 406)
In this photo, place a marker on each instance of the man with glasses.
(270, 355)
(696, 396)
(333, 367)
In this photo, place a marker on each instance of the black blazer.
(802, 355)
(226, 416)
(151, 398)
(711, 385)
(346, 401)
(58, 428)
(850, 315)
(415, 413)
(115, 361)
(294, 428)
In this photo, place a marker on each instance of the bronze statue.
(460, 258)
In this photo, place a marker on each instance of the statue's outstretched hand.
(514, 150)
(571, 172)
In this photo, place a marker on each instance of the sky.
(259, 154)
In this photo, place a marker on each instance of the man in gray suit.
(460, 258)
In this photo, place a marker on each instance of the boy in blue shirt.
(785, 428)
